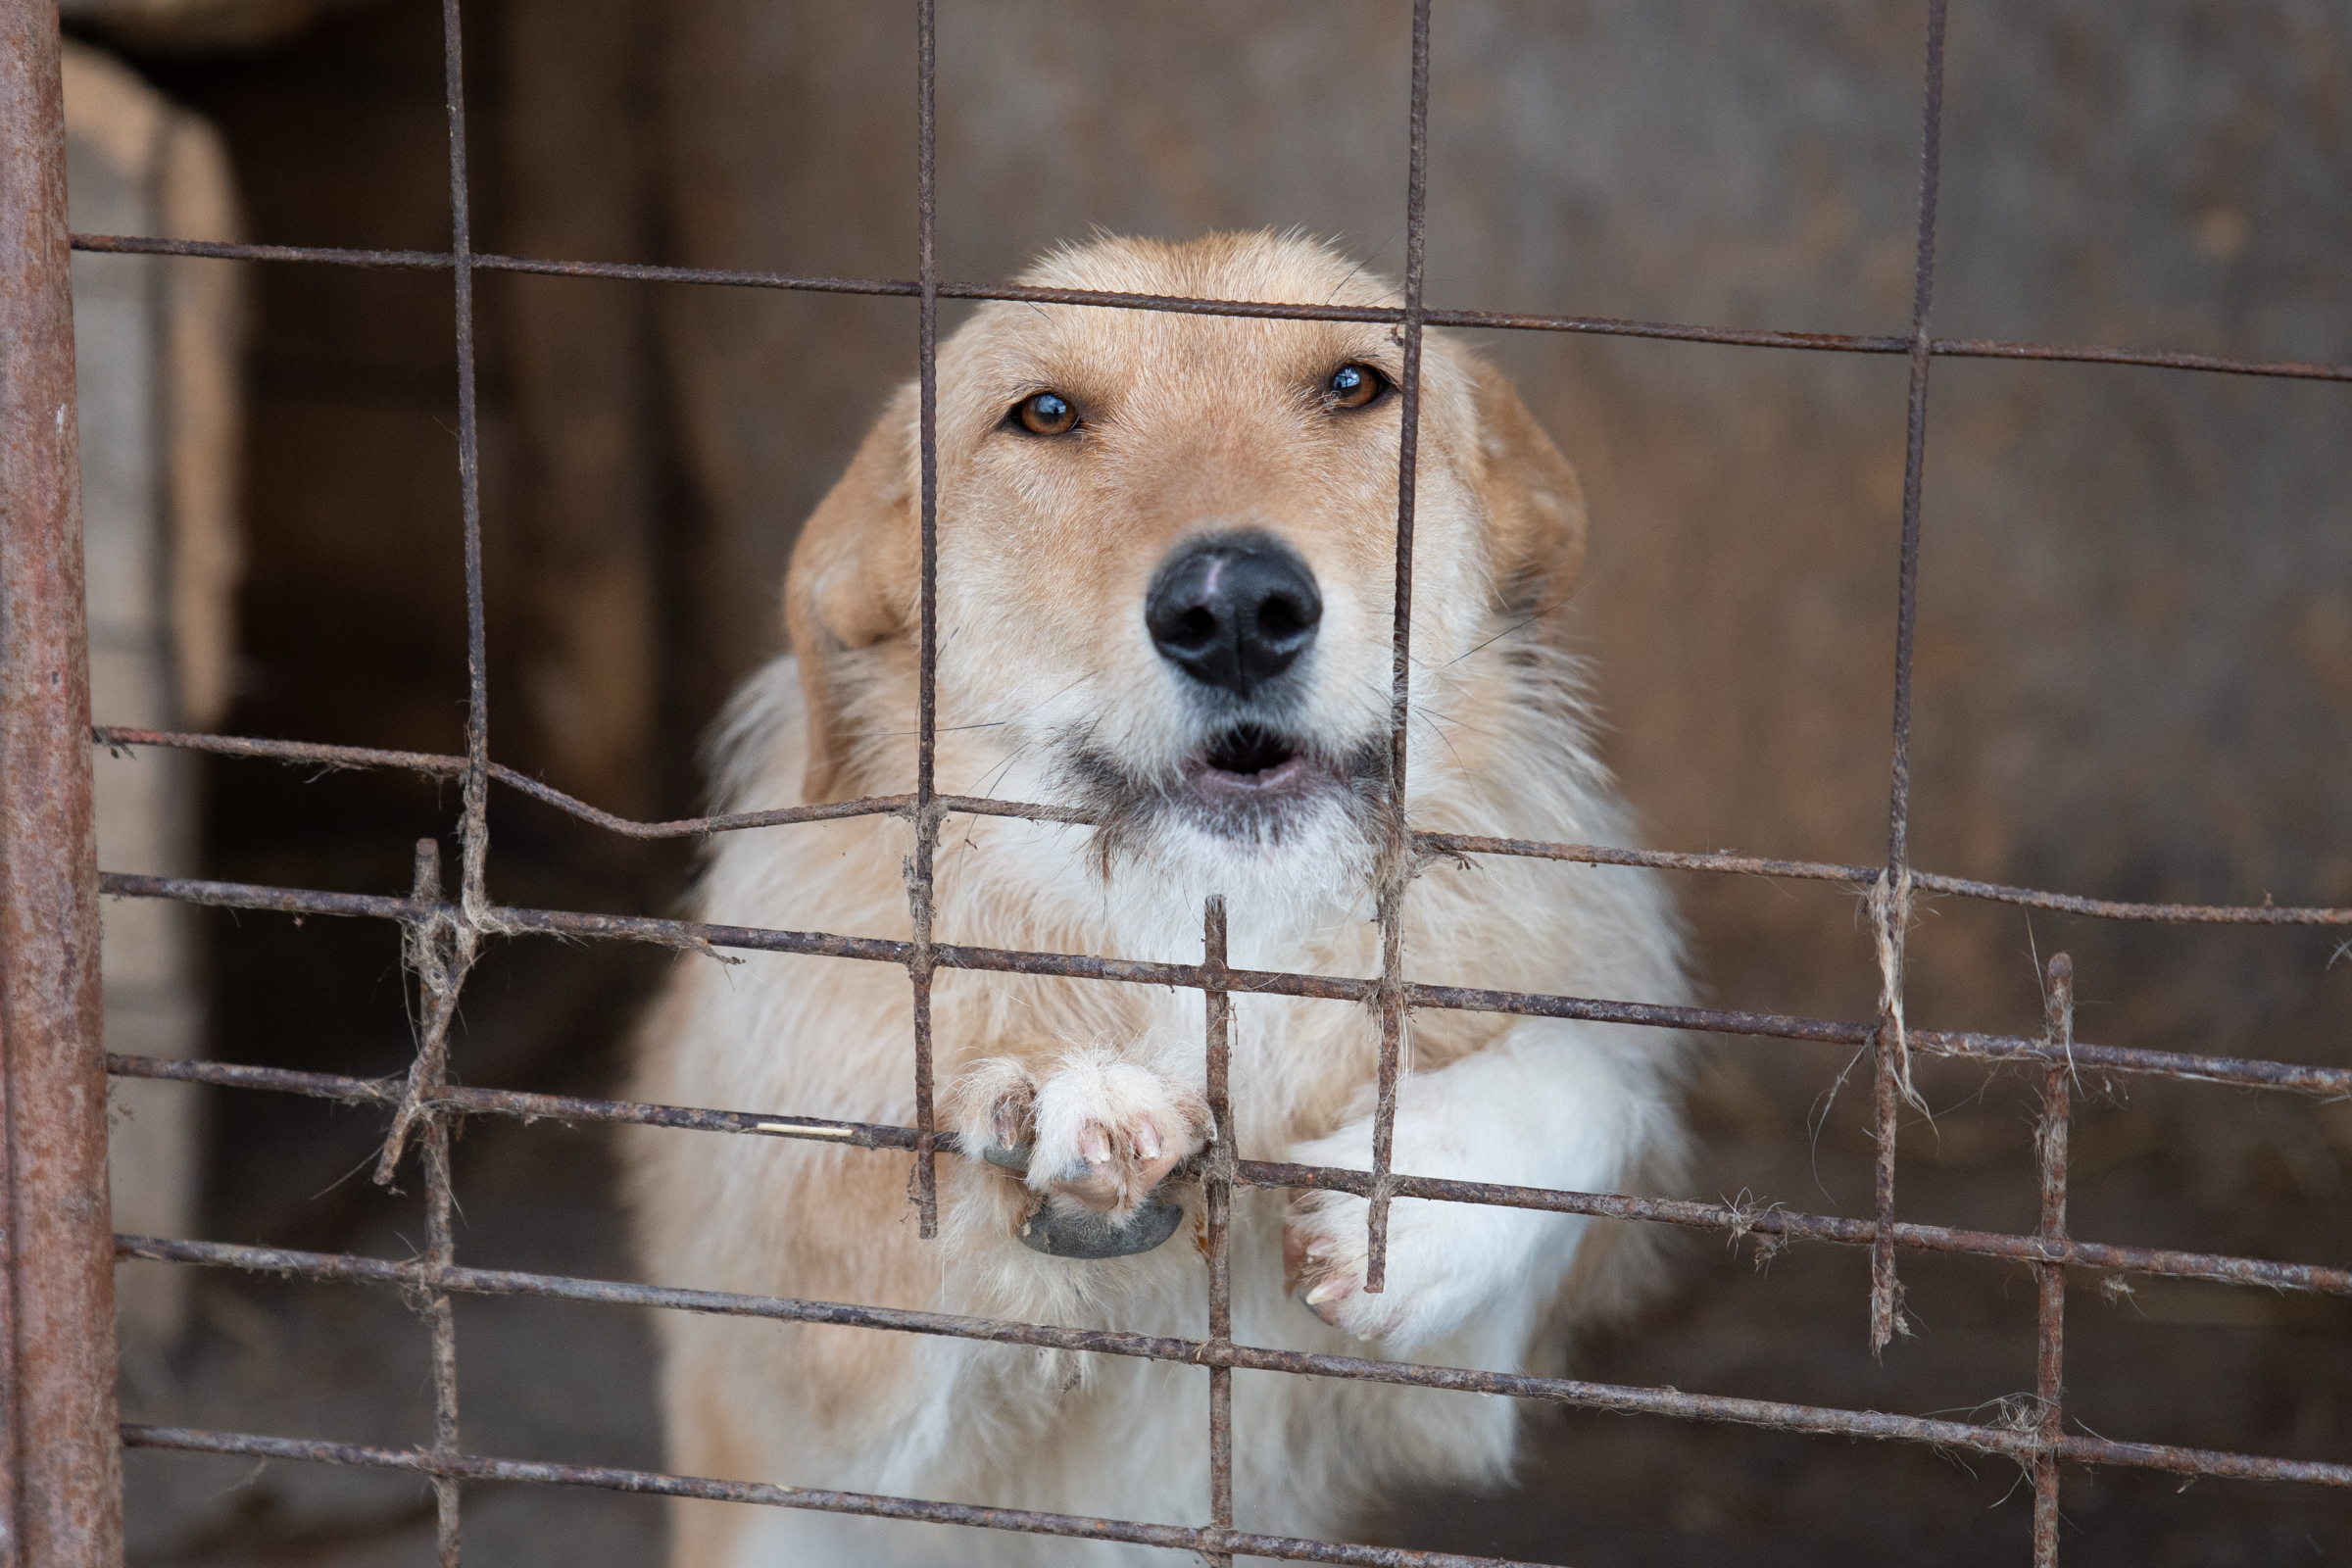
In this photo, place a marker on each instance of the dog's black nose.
(1234, 611)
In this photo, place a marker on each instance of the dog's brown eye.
(1352, 386)
(1045, 413)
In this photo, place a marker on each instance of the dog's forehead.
(1279, 268)
(1053, 343)
(1079, 347)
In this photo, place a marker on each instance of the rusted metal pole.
(431, 946)
(923, 1184)
(64, 1459)
(1397, 871)
(1217, 1203)
(2058, 1009)
(1891, 900)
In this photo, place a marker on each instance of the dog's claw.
(1060, 1231)
(1014, 1157)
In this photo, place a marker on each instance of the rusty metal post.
(1398, 873)
(1216, 1205)
(924, 1182)
(1890, 897)
(62, 1455)
(2050, 1136)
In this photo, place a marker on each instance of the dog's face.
(1168, 556)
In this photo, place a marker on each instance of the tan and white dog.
(1165, 571)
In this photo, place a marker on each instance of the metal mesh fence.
(443, 935)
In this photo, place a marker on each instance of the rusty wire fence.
(63, 1499)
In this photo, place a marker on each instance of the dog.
(1165, 576)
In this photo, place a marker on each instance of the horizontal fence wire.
(474, 1467)
(1490, 320)
(2007, 1442)
(1758, 1218)
(447, 933)
(2325, 1082)
(331, 758)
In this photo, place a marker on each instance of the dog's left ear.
(1534, 507)
(853, 584)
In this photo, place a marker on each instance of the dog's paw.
(1092, 1139)
(1103, 1133)
(1325, 1250)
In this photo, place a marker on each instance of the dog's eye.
(1355, 386)
(1045, 413)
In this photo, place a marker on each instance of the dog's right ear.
(855, 582)
(1534, 507)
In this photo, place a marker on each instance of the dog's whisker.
(943, 729)
(1508, 631)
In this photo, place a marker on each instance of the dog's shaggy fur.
(1050, 689)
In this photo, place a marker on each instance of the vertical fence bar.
(1890, 904)
(1398, 867)
(476, 838)
(473, 900)
(452, 948)
(10, 1535)
(441, 1317)
(64, 1456)
(1216, 1201)
(925, 1176)
(428, 945)
(2058, 1011)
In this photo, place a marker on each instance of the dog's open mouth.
(1249, 783)
(1249, 762)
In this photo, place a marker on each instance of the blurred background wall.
(2134, 652)
(158, 351)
